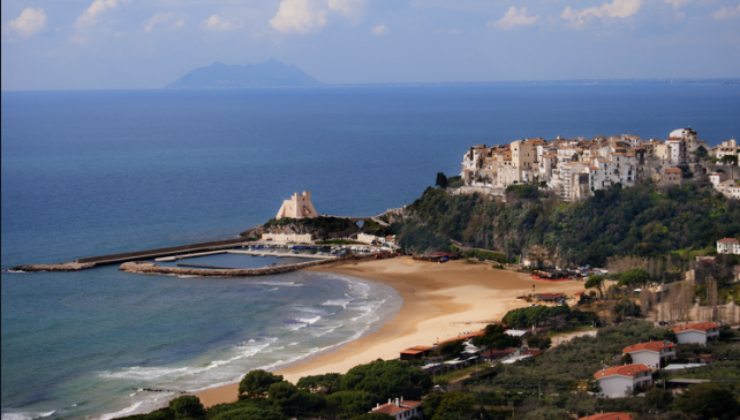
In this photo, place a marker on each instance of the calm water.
(98, 172)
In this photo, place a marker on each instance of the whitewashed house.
(696, 332)
(622, 381)
(652, 353)
(728, 246)
(399, 409)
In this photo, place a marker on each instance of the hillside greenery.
(643, 220)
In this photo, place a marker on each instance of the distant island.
(271, 73)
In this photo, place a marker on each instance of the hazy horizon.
(129, 44)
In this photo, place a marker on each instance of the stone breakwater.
(68, 266)
(145, 267)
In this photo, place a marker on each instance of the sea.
(95, 172)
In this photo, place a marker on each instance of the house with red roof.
(696, 332)
(416, 352)
(399, 409)
(622, 381)
(609, 416)
(653, 354)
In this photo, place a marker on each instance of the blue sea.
(88, 173)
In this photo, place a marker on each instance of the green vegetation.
(643, 220)
(495, 338)
(333, 396)
(558, 318)
(257, 382)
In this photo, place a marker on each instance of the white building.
(726, 148)
(297, 207)
(621, 381)
(696, 333)
(399, 409)
(728, 246)
(288, 238)
(652, 354)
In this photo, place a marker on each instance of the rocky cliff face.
(319, 228)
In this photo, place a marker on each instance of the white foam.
(309, 321)
(337, 302)
(120, 413)
(27, 415)
(141, 373)
(278, 283)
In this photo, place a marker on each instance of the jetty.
(97, 261)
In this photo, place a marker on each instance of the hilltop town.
(575, 168)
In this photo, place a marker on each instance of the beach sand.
(440, 301)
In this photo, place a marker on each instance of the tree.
(729, 160)
(708, 401)
(249, 412)
(281, 391)
(387, 379)
(596, 281)
(372, 416)
(626, 308)
(256, 383)
(454, 406)
(441, 180)
(325, 384)
(187, 407)
(634, 277)
(349, 403)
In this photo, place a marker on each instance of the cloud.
(29, 22)
(728, 12)
(169, 20)
(216, 23)
(90, 15)
(677, 3)
(298, 16)
(351, 9)
(379, 30)
(615, 9)
(513, 18)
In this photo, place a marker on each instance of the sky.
(135, 44)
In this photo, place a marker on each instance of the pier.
(91, 262)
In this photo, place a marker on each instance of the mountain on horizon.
(271, 73)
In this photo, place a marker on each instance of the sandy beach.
(441, 301)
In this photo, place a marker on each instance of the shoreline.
(440, 301)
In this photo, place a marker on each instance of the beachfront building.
(696, 332)
(622, 381)
(728, 246)
(399, 409)
(297, 207)
(575, 169)
(653, 354)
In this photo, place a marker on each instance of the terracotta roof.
(624, 370)
(608, 416)
(698, 326)
(416, 350)
(655, 346)
(672, 170)
(392, 409)
(728, 241)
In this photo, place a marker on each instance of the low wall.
(151, 268)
